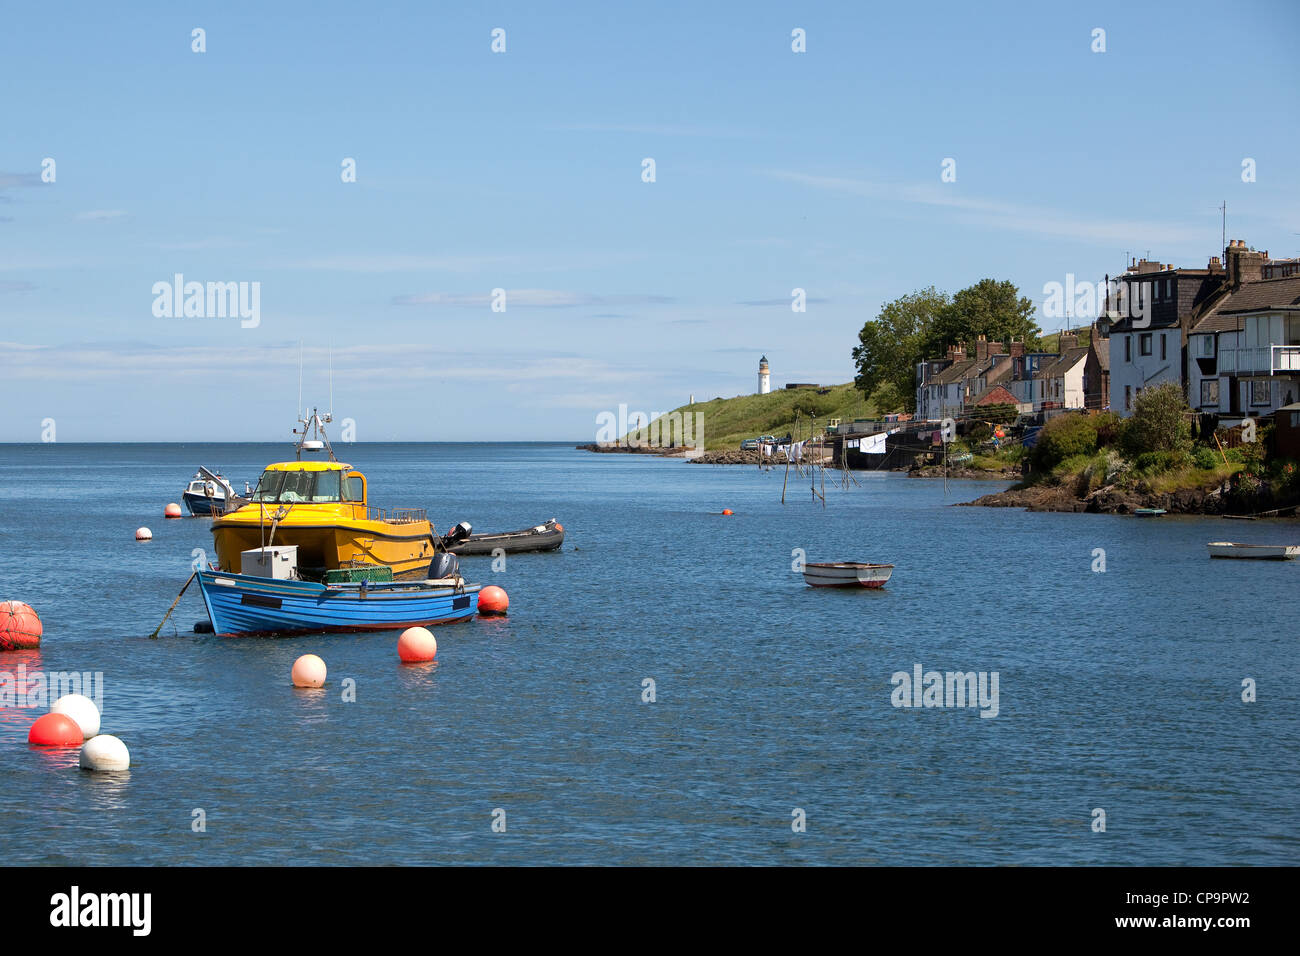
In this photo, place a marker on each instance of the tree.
(990, 308)
(1159, 421)
(890, 346)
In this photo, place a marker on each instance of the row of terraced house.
(1228, 334)
(993, 374)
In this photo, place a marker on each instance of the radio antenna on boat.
(331, 413)
(299, 410)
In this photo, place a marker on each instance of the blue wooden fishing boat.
(250, 604)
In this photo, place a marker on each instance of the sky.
(524, 171)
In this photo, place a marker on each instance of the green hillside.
(729, 421)
(1049, 343)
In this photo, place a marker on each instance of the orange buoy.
(143, 534)
(20, 627)
(173, 510)
(726, 511)
(493, 600)
(55, 730)
(308, 671)
(417, 645)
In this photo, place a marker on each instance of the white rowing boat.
(1267, 552)
(847, 574)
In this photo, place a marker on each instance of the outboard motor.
(443, 565)
(459, 533)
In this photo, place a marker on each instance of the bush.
(1206, 459)
(1109, 428)
(1159, 421)
(1157, 462)
(1064, 436)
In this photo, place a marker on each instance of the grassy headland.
(729, 421)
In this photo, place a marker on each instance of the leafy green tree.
(994, 309)
(890, 346)
(1159, 421)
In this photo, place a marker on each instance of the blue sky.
(523, 171)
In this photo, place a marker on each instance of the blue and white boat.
(251, 604)
(210, 494)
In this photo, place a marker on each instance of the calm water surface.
(1119, 691)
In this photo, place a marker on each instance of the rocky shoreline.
(964, 474)
(1214, 500)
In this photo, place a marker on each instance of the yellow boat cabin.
(321, 507)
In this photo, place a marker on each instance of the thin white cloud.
(995, 214)
(398, 262)
(651, 129)
(101, 215)
(11, 180)
(366, 367)
(531, 298)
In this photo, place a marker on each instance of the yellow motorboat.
(321, 507)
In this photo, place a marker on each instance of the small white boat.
(210, 494)
(847, 574)
(1266, 552)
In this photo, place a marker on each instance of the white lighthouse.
(764, 377)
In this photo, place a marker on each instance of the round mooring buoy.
(20, 626)
(105, 753)
(55, 730)
(417, 645)
(143, 534)
(726, 511)
(173, 510)
(82, 710)
(308, 671)
(493, 600)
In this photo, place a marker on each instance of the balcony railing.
(1268, 360)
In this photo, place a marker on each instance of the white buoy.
(105, 752)
(80, 709)
(143, 534)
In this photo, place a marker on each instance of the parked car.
(749, 444)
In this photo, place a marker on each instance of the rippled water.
(1118, 690)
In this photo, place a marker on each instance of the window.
(1169, 287)
(326, 487)
(1207, 346)
(291, 487)
(1210, 393)
(1128, 397)
(1163, 349)
(354, 489)
(1128, 348)
(1144, 343)
(1295, 419)
(1261, 391)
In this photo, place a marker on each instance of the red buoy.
(417, 645)
(493, 600)
(726, 511)
(173, 510)
(20, 627)
(55, 730)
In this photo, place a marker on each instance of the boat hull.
(847, 575)
(1258, 552)
(204, 507)
(241, 604)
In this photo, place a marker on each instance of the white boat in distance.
(847, 574)
(1267, 552)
